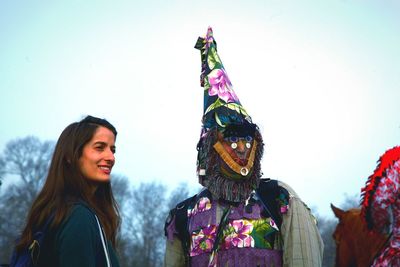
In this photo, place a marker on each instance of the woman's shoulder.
(81, 212)
(79, 223)
(81, 209)
(80, 218)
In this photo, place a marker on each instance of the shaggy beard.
(221, 185)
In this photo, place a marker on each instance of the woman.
(77, 198)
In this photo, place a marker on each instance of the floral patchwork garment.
(248, 238)
(244, 242)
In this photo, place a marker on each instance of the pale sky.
(320, 78)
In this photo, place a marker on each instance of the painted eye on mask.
(248, 138)
(233, 139)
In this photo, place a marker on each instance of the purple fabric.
(240, 213)
(239, 257)
(208, 217)
(203, 219)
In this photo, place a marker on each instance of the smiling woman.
(76, 201)
(97, 157)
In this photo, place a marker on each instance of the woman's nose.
(110, 156)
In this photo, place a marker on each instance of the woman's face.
(97, 157)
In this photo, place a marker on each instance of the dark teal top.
(76, 242)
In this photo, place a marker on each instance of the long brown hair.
(65, 184)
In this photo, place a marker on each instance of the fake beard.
(223, 182)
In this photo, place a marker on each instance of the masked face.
(237, 154)
(227, 166)
(238, 148)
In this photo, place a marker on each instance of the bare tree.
(144, 226)
(26, 161)
(121, 190)
(142, 241)
(122, 193)
(28, 158)
(2, 170)
(179, 194)
(326, 227)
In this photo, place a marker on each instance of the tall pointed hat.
(220, 169)
(221, 105)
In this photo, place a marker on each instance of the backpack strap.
(103, 241)
(181, 224)
(38, 236)
(30, 255)
(180, 213)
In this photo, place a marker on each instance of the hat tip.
(209, 31)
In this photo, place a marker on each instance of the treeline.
(143, 207)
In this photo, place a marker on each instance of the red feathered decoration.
(367, 193)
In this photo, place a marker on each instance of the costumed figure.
(238, 218)
(381, 206)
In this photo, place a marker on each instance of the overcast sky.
(320, 78)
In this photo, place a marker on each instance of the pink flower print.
(209, 37)
(284, 209)
(203, 204)
(203, 241)
(273, 224)
(221, 85)
(240, 236)
(209, 41)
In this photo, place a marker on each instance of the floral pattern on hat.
(221, 104)
(221, 85)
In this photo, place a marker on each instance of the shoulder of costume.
(274, 198)
(179, 212)
(183, 205)
(268, 186)
(178, 218)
